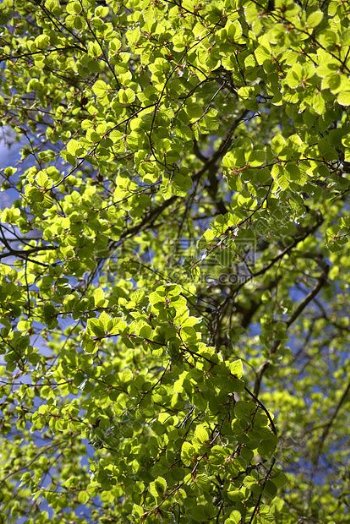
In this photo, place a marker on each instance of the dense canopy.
(175, 259)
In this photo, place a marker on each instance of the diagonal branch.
(322, 280)
(210, 164)
(329, 424)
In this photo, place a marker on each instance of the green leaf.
(234, 518)
(75, 148)
(158, 487)
(187, 453)
(94, 327)
(314, 19)
(201, 434)
(99, 297)
(126, 96)
(343, 98)
(179, 206)
(236, 368)
(74, 8)
(100, 88)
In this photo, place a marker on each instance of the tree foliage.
(175, 261)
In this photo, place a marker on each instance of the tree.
(175, 261)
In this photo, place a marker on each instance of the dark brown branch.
(212, 161)
(299, 310)
(290, 247)
(329, 424)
